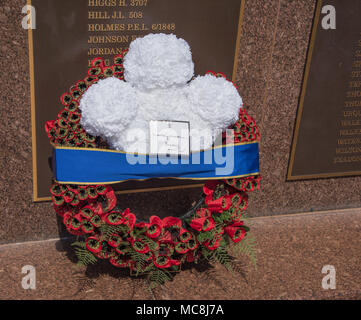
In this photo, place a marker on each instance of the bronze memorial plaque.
(69, 34)
(327, 138)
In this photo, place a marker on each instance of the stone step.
(292, 250)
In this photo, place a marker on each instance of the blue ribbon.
(98, 166)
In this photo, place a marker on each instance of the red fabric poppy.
(66, 98)
(75, 202)
(115, 240)
(73, 188)
(96, 207)
(48, 126)
(211, 73)
(87, 212)
(98, 62)
(148, 256)
(208, 225)
(66, 218)
(236, 199)
(166, 237)
(209, 187)
(181, 248)
(140, 225)
(114, 218)
(110, 198)
(87, 227)
(172, 222)
(249, 186)
(184, 235)
(68, 196)
(56, 190)
(96, 220)
(163, 262)
(75, 232)
(203, 213)
(244, 117)
(213, 244)
(220, 205)
(57, 201)
(102, 254)
(129, 218)
(203, 224)
(140, 246)
(197, 223)
(123, 247)
(155, 227)
(119, 263)
(95, 71)
(92, 192)
(237, 216)
(193, 244)
(101, 189)
(235, 231)
(221, 75)
(75, 222)
(118, 59)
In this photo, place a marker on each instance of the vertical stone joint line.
(269, 67)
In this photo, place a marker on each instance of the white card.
(169, 138)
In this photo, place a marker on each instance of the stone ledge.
(291, 253)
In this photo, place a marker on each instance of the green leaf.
(151, 243)
(140, 261)
(108, 230)
(247, 247)
(85, 257)
(159, 277)
(80, 244)
(204, 236)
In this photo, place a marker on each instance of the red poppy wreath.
(99, 111)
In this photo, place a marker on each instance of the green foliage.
(247, 247)
(80, 244)
(85, 257)
(149, 269)
(159, 277)
(107, 230)
(206, 253)
(219, 191)
(204, 236)
(138, 233)
(221, 255)
(225, 216)
(151, 243)
(140, 261)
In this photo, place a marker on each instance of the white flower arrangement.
(158, 72)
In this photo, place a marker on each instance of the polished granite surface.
(292, 250)
(272, 56)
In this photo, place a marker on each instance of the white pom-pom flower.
(108, 107)
(157, 70)
(158, 61)
(215, 100)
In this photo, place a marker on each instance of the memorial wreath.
(157, 247)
